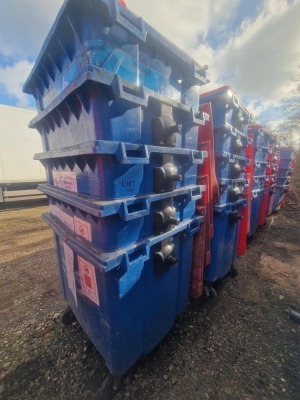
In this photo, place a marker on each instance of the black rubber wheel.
(109, 387)
(233, 273)
(68, 317)
(212, 293)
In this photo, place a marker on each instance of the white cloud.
(184, 21)
(261, 60)
(24, 26)
(12, 79)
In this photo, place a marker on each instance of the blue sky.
(252, 45)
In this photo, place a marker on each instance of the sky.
(251, 45)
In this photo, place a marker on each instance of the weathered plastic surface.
(108, 36)
(227, 109)
(101, 106)
(256, 204)
(111, 225)
(126, 301)
(223, 244)
(112, 170)
(230, 166)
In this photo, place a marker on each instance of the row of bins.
(243, 188)
(118, 118)
(152, 192)
(227, 136)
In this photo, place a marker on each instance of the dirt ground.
(242, 345)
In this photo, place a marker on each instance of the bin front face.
(127, 310)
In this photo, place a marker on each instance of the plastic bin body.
(230, 166)
(116, 224)
(223, 244)
(103, 34)
(112, 170)
(100, 107)
(256, 204)
(227, 109)
(125, 301)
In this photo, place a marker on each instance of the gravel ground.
(240, 346)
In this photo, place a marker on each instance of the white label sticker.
(68, 181)
(69, 260)
(55, 210)
(83, 228)
(67, 220)
(65, 180)
(88, 280)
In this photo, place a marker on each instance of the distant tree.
(289, 129)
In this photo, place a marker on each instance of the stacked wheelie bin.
(285, 171)
(230, 122)
(118, 118)
(260, 174)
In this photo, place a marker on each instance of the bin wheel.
(210, 292)
(109, 387)
(68, 317)
(233, 273)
